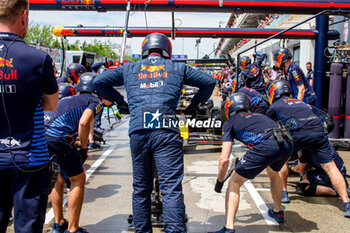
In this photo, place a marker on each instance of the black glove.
(83, 154)
(192, 110)
(218, 186)
(123, 108)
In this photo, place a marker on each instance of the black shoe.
(224, 230)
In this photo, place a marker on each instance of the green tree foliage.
(40, 34)
(43, 35)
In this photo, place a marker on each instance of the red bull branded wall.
(242, 6)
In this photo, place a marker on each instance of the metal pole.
(172, 26)
(125, 34)
(321, 43)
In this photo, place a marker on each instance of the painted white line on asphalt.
(260, 203)
(98, 162)
(50, 214)
(262, 189)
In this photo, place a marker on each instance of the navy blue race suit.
(64, 122)
(253, 75)
(28, 74)
(153, 87)
(256, 131)
(295, 76)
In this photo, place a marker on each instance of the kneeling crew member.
(316, 182)
(257, 132)
(74, 113)
(307, 132)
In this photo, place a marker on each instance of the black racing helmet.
(157, 42)
(237, 101)
(74, 71)
(278, 89)
(66, 89)
(244, 62)
(280, 56)
(85, 83)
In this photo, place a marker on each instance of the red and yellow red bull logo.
(77, 2)
(87, 2)
(227, 106)
(4, 62)
(280, 59)
(152, 68)
(254, 70)
(272, 92)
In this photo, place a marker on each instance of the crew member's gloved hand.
(123, 108)
(192, 110)
(218, 186)
(83, 154)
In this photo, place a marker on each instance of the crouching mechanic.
(257, 132)
(307, 131)
(315, 182)
(153, 87)
(73, 113)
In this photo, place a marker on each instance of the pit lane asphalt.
(107, 200)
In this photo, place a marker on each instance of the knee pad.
(306, 189)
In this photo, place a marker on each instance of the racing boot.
(224, 230)
(57, 228)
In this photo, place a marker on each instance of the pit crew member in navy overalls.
(73, 114)
(295, 76)
(27, 88)
(153, 87)
(252, 73)
(256, 131)
(307, 131)
(74, 71)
